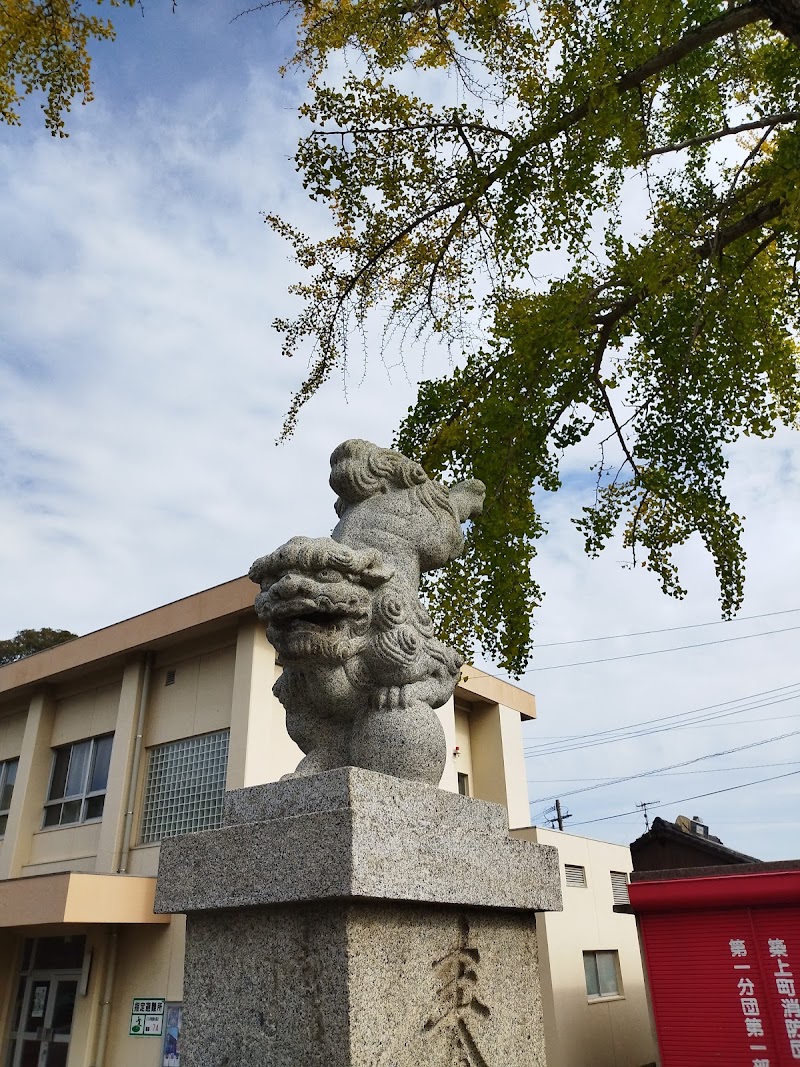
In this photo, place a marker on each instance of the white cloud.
(141, 391)
(142, 386)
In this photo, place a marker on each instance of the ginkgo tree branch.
(732, 20)
(736, 18)
(618, 431)
(783, 119)
(729, 22)
(711, 246)
(411, 127)
(608, 320)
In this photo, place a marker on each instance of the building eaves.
(476, 685)
(662, 829)
(190, 616)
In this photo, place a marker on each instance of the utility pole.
(555, 816)
(560, 816)
(643, 806)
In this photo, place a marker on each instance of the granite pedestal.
(352, 919)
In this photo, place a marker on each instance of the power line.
(684, 800)
(665, 629)
(742, 722)
(681, 714)
(533, 751)
(674, 721)
(673, 766)
(756, 822)
(694, 725)
(577, 743)
(671, 774)
(660, 651)
(564, 738)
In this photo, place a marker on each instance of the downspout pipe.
(105, 1003)
(136, 760)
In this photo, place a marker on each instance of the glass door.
(45, 1023)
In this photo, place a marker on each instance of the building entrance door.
(45, 1025)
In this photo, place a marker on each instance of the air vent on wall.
(619, 887)
(575, 876)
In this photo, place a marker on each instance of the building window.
(78, 782)
(53, 953)
(463, 784)
(619, 887)
(575, 876)
(602, 974)
(8, 775)
(185, 786)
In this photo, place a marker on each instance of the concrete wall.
(12, 731)
(497, 759)
(260, 748)
(86, 713)
(581, 1031)
(63, 848)
(462, 761)
(150, 964)
(199, 699)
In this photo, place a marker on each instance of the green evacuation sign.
(147, 1017)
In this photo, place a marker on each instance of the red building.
(722, 952)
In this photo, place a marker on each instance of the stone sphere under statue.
(363, 671)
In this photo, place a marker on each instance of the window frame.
(5, 767)
(83, 795)
(592, 955)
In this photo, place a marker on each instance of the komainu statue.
(362, 669)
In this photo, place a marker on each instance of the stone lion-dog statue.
(362, 668)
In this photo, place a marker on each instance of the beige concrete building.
(593, 987)
(110, 743)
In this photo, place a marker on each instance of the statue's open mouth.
(315, 618)
(326, 621)
(296, 615)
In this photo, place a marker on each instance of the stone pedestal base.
(383, 924)
(362, 985)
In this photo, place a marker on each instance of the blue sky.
(142, 389)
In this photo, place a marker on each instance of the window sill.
(606, 1000)
(69, 825)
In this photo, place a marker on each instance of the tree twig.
(727, 131)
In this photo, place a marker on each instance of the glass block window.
(602, 974)
(78, 782)
(185, 785)
(8, 775)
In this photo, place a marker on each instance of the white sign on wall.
(147, 1017)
